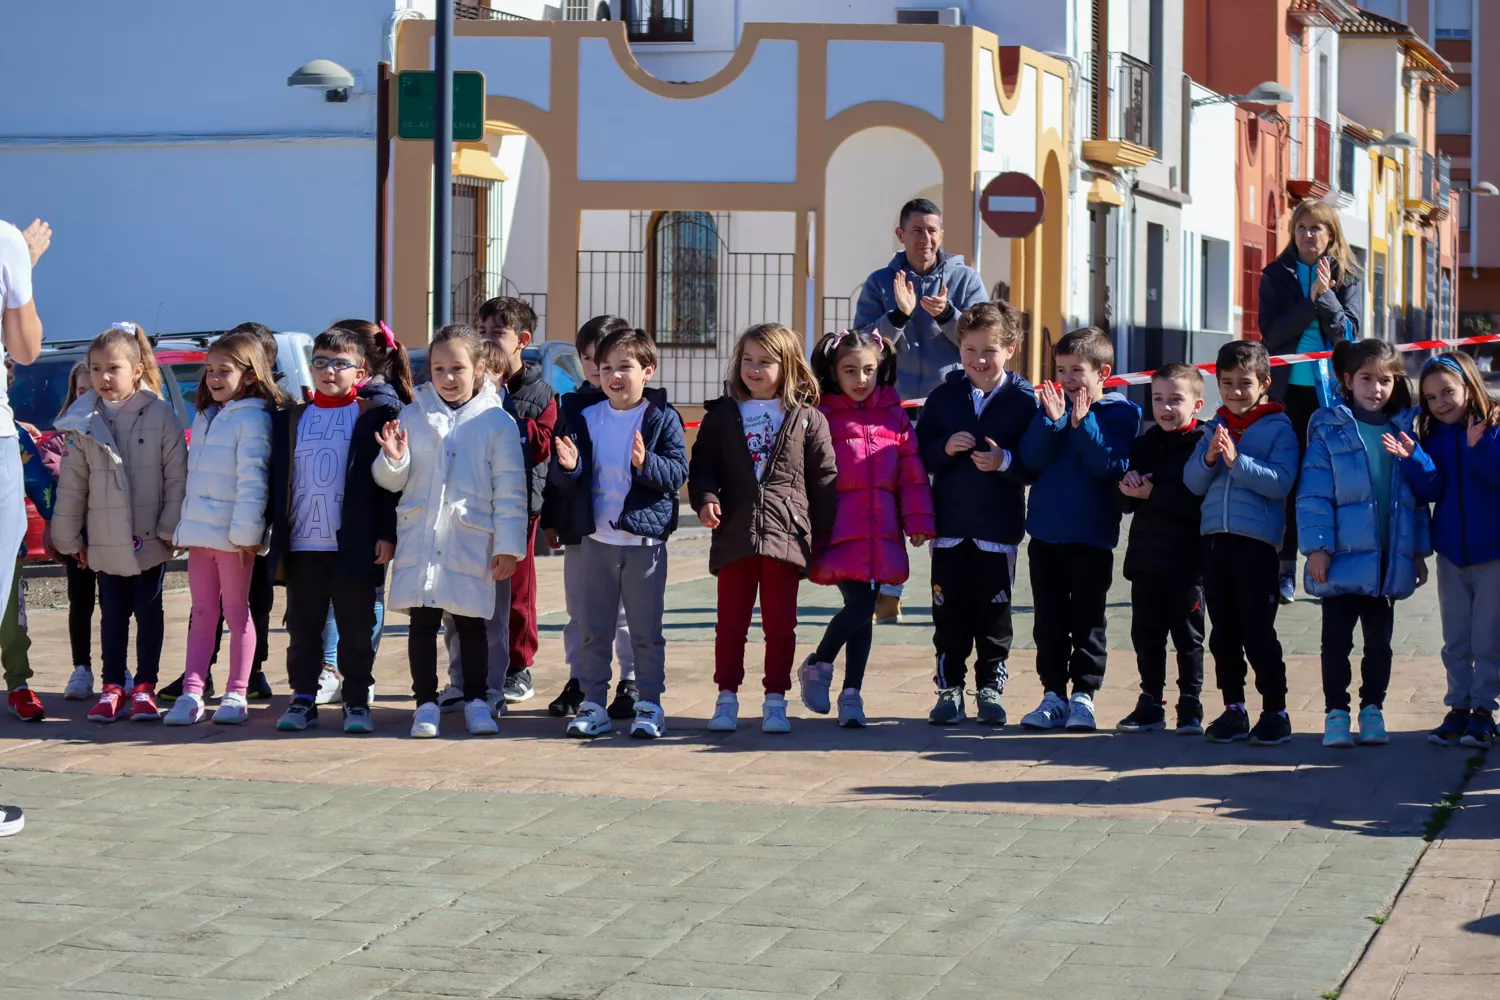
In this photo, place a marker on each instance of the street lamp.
(1399, 140)
(1484, 189)
(1268, 92)
(325, 75)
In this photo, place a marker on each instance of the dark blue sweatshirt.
(1078, 469)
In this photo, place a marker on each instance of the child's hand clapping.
(1224, 442)
(503, 567)
(1401, 447)
(1082, 400)
(567, 452)
(1133, 484)
(1051, 399)
(960, 442)
(392, 440)
(989, 461)
(638, 451)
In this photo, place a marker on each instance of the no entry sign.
(1012, 205)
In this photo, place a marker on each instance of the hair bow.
(390, 338)
(124, 327)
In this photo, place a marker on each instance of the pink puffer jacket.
(882, 487)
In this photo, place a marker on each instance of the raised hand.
(1227, 447)
(638, 451)
(567, 452)
(1082, 400)
(906, 294)
(935, 304)
(960, 442)
(503, 567)
(38, 237)
(709, 516)
(1477, 428)
(1212, 454)
(989, 461)
(1322, 278)
(1401, 447)
(392, 440)
(1050, 397)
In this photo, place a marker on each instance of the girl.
(461, 523)
(223, 520)
(1309, 301)
(1456, 466)
(1365, 536)
(882, 494)
(762, 477)
(119, 496)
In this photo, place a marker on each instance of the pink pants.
(218, 579)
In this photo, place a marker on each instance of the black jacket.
(1286, 311)
(534, 405)
(651, 505)
(968, 503)
(1164, 535)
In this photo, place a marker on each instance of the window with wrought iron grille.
(478, 245)
(682, 260)
(577, 10)
(658, 20)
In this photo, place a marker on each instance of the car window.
(187, 375)
(561, 379)
(573, 365)
(39, 390)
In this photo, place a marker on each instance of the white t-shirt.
(613, 433)
(319, 463)
(762, 419)
(15, 292)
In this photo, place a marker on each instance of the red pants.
(777, 582)
(523, 636)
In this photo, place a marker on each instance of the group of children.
(801, 470)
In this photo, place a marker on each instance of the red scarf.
(1187, 427)
(333, 402)
(1239, 425)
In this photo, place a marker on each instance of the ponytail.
(134, 339)
(384, 354)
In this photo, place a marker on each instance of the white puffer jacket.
(463, 500)
(229, 471)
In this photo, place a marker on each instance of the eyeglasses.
(337, 364)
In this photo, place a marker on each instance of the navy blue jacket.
(1464, 484)
(1286, 312)
(968, 503)
(1078, 471)
(1164, 536)
(651, 505)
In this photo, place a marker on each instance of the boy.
(15, 642)
(1163, 560)
(968, 433)
(1078, 445)
(618, 466)
(333, 529)
(1243, 467)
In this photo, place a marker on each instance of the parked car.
(561, 366)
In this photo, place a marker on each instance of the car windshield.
(39, 390)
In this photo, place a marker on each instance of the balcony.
(1313, 176)
(659, 20)
(1348, 150)
(1122, 126)
(482, 11)
(1421, 182)
(1444, 188)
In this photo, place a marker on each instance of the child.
(15, 643)
(118, 500)
(570, 699)
(882, 493)
(1163, 560)
(511, 324)
(1365, 537)
(333, 528)
(762, 476)
(1457, 467)
(618, 465)
(223, 523)
(1078, 445)
(461, 523)
(1243, 467)
(969, 433)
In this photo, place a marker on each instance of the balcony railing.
(659, 20)
(1312, 160)
(1348, 150)
(1323, 145)
(1444, 181)
(483, 12)
(1134, 97)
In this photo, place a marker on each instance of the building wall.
(1370, 90)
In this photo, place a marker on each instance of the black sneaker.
(1148, 717)
(1189, 723)
(259, 688)
(300, 714)
(949, 709)
(568, 702)
(1232, 726)
(518, 687)
(1271, 729)
(1480, 733)
(171, 692)
(987, 707)
(623, 707)
(1454, 725)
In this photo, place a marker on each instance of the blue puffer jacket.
(1337, 513)
(1464, 483)
(1078, 469)
(1250, 498)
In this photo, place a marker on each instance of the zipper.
(760, 484)
(1463, 525)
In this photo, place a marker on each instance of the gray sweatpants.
(636, 575)
(1470, 602)
(574, 585)
(497, 630)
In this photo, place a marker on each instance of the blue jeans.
(331, 629)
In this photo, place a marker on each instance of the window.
(1252, 261)
(1325, 89)
(478, 246)
(1377, 295)
(1465, 207)
(1455, 111)
(1455, 19)
(659, 20)
(682, 258)
(576, 10)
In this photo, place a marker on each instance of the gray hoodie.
(929, 349)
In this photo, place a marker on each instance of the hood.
(427, 399)
(379, 390)
(1113, 399)
(883, 396)
(655, 399)
(79, 416)
(530, 372)
(945, 261)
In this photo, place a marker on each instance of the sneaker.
(1480, 733)
(26, 706)
(1189, 724)
(80, 685)
(425, 720)
(949, 709)
(1336, 729)
(259, 689)
(1081, 712)
(518, 687)
(814, 680)
(111, 701)
(1372, 727)
(496, 701)
(1231, 727)
(1271, 729)
(479, 718)
(233, 710)
(12, 820)
(567, 702)
(592, 720)
(186, 711)
(301, 714)
(851, 709)
(1053, 711)
(330, 688)
(1288, 589)
(143, 704)
(726, 713)
(357, 720)
(773, 715)
(624, 705)
(1453, 726)
(450, 700)
(887, 610)
(987, 707)
(650, 721)
(1148, 717)
(171, 692)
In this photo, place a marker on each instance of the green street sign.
(416, 93)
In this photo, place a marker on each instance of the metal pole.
(382, 181)
(442, 169)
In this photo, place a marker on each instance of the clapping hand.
(906, 294)
(1050, 397)
(988, 461)
(38, 238)
(1401, 447)
(638, 451)
(1226, 445)
(392, 440)
(935, 304)
(1322, 278)
(567, 452)
(1082, 400)
(1133, 484)
(960, 442)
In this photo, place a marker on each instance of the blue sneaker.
(1336, 729)
(1480, 733)
(1372, 727)
(1288, 591)
(1453, 726)
(300, 714)
(949, 709)
(814, 680)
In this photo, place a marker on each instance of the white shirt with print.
(762, 419)
(319, 464)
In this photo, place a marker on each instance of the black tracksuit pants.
(1241, 583)
(1070, 590)
(971, 614)
(1377, 617)
(1166, 604)
(313, 582)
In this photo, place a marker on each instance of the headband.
(838, 338)
(129, 328)
(390, 338)
(1443, 361)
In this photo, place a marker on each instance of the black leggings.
(852, 630)
(83, 585)
(421, 651)
(1301, 403)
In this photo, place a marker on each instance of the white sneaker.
(726, 713)
(650, 721)
(424, 721)
(330, 689)
(450, 700)
(773, 715)
(1052, 712)
(80, 684)
(186, 711)
(1336, 729)
(592, 720)
(1081, 712)
(233, 710)
(478, 718)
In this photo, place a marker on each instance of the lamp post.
(1268, 92)
(442, 168)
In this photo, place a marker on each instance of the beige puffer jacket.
(120, 489)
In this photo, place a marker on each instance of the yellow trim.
(1103, 192)
(1117, 153)
(472, 159)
